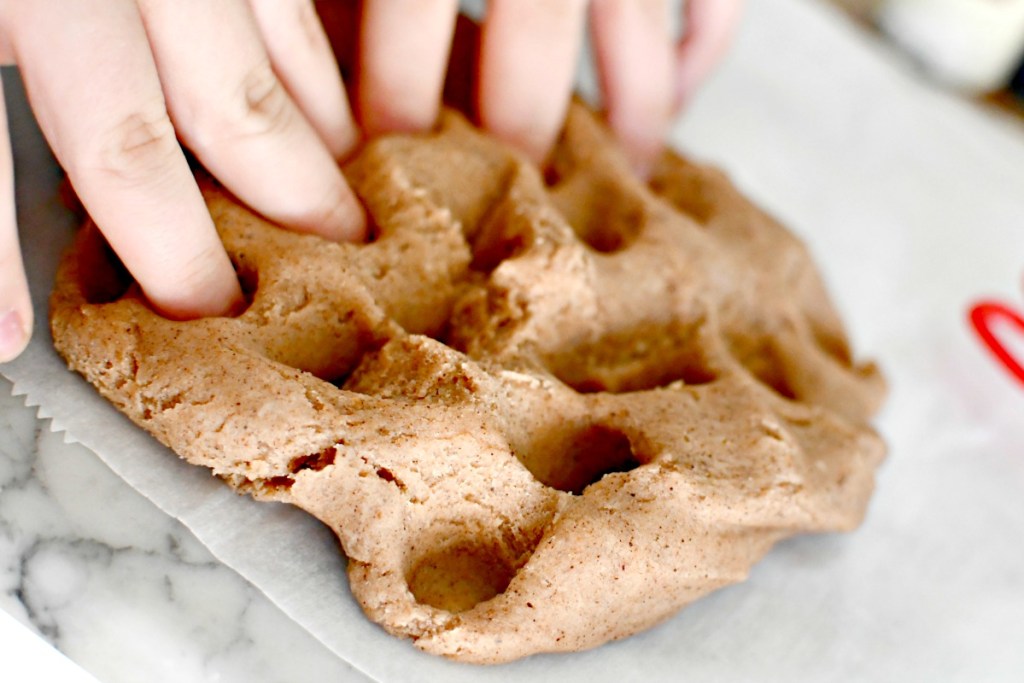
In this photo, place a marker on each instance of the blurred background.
(975, 47)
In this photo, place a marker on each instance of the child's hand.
(528, 58)
(645, 78)
(113, 82)
(252, 88)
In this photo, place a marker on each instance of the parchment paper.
(913, 204)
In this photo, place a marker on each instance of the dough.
(540, 412)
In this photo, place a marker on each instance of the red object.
(982, 316)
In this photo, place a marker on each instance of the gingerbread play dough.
(540, 411)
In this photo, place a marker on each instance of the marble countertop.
(122, 598)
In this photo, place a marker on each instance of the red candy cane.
(982, 316)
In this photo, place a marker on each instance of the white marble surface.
(120, 587)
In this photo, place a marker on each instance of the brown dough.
(539, 413)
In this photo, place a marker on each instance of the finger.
(710, 26)
(403, 51)
(15, 306)
(528, 54)
(633, 47)
(230, 108)
(340, 20)
(95, 92)
(305, 64)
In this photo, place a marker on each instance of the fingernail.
(12, 335)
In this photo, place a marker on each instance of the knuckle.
(139, 146)
(265, 104)
(259, 107)
(309, 20)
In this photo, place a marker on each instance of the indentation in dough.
(460, 575)
(636, 359)
(571, 460)
(762, 361)
(685, 187)
(826, 329)
(608, 216)
(832, 343)
(108, 280)
(502, 233)
(598, 451)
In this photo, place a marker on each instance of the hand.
(645, 77)
(528, 56)
(253, 89)
(113, 82)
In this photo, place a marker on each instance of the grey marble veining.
(121, 588)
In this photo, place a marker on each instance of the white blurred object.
(971, 45)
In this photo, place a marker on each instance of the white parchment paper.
(913, 204)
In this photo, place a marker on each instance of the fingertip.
(641, 160)
(339, 217)
(711, 26)
(536, 149)
(641, 139)
(15, 331)
(534, 141)
(225, 296)
(634, 52)
(347, 221)
(643, 166)
(199, 282)
(527, 61)
(15, 304)
(383, 115)
(690, 75)
(218, 294)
